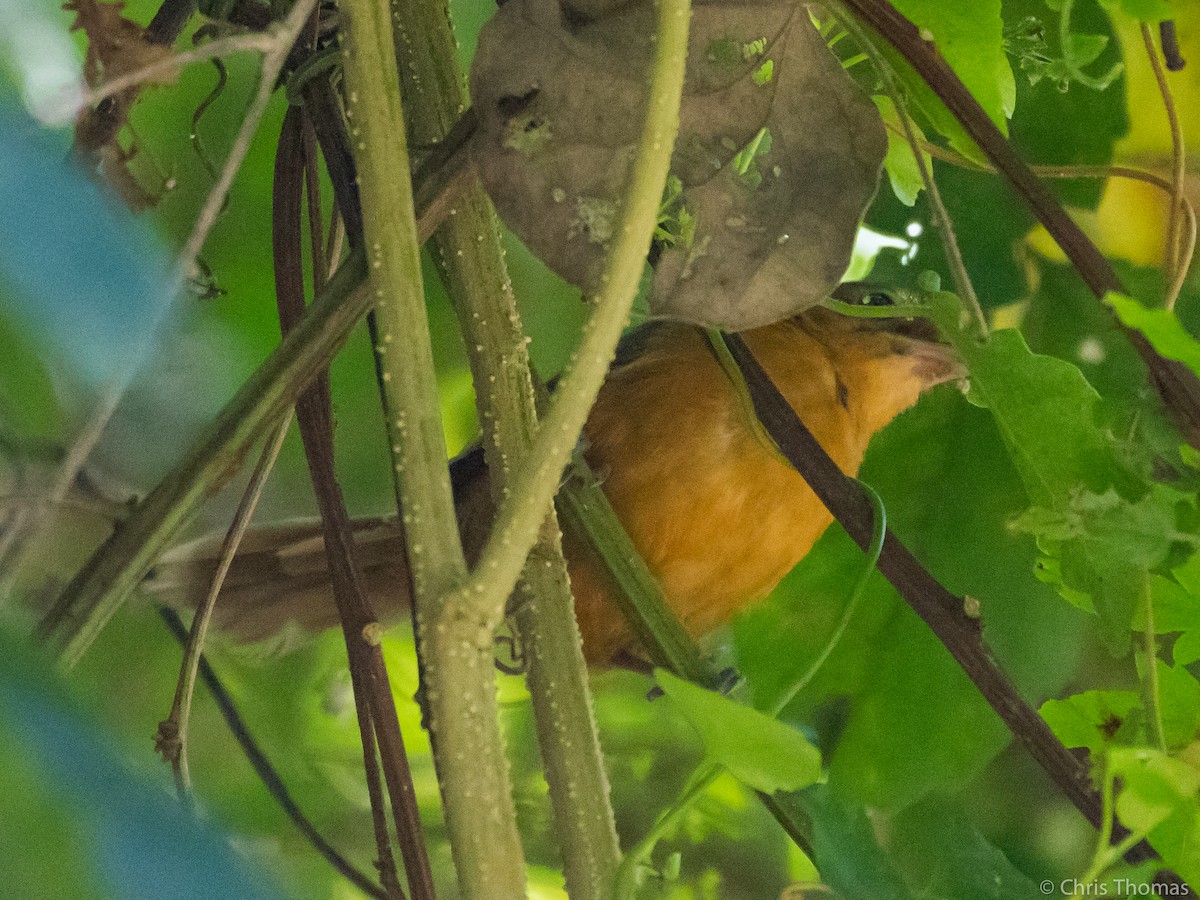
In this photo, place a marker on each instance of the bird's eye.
(877, 298)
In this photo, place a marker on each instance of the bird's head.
(884, 363)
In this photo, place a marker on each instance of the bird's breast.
(716, 514)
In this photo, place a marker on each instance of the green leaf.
(1179, 700)
(1159, 796)
(971, 39)
(900, 162)
(763, 753)
(1142, 10)
(1092, 719)
(1139, 531)
(1046, 412)
(917, 725)
(848, 854)
(940, 850)
(1113, 583)
(1175, 607)
(1105, 545)
(1186, 649)
(1086, 48)
(1160, 326)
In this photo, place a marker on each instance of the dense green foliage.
(1055, 492)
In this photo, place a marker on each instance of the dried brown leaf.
(751, 237)
(116, 46)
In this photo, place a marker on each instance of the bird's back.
(717, 515)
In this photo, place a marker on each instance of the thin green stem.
(586, 512)
(958, 270)
(1186, 239)
(860, 586)
(1150, 681)
(1107, 854)
(175, 728)
(116, 568)
(629, 874)
(470, 259)
(519, 518)
(1177, 259)
(733, 375)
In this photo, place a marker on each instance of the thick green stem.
(586, 511)
(536, 481)
(470, 259)
(464, 718)
(114, 570)
(404, 348)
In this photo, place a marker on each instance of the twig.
(274, 55)
(117, 567)
(172, 739)
(273, 60)
(1187, 237)
(385, 860)
(1178, 385)
(378, 723)
(942, 611)
(263, 43)
(1174, 261)
(945, 225)
(1153, 696)
(262, 766)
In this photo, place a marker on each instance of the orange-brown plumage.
(718, 517)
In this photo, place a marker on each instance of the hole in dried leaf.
(512, 105)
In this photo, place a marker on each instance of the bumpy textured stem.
(536, 481)
(470, 259)
(468, 748)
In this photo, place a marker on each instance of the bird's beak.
(935, 363)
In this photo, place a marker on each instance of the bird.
(718, 517)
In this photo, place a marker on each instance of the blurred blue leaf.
(80, 269)
(126, 835)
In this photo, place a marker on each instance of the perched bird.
(718, 517)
